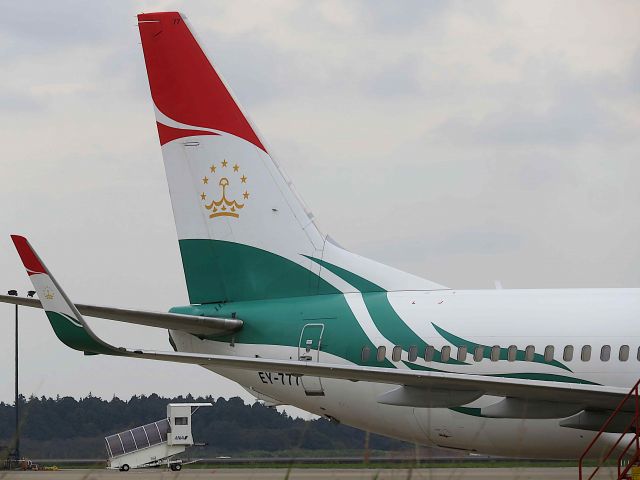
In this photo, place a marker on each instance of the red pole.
(635, 421)
(636, 432)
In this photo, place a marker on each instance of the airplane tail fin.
(243, 232)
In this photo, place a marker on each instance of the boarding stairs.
(625, 451)
(156, 443)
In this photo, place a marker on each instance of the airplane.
(280, 308)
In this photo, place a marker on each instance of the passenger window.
(364, 356)
(511, 353)
(462, 353)
(623, 356)
(529, 353)
(382, 353)
(585, 356)
(567, 356)
(429, 352)
(548, 353)
(413, 353)
(478, 353)
(605, 353)
(445, 353)
(396, 353)
(495, 353)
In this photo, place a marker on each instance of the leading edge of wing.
(592, 396)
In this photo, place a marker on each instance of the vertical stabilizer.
(243, 232)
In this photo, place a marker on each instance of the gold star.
(236, 167)
(243, 179)
(224, 163)
(203, 196)
(205, 180)
(212, 168)
(245, 194)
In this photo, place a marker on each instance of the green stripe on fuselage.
(387, 321)
(280, 321)
(546, 377)
(486, 349)
(361, 284)
(276, 298)
(395, 329)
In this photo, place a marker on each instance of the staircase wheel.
(177, 467)
(124, 468)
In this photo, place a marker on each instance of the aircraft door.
(309, 351)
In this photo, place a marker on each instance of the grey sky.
(462, 141)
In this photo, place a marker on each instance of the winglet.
(67, 323)
(29, 258)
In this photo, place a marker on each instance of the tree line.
(65, 427)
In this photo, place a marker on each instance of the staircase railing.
(633, 427)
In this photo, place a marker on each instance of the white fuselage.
(542, 318)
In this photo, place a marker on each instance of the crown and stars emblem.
(226, 179)
(48, 294)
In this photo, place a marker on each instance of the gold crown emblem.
(48, 294)
(225, 207)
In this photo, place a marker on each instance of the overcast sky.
(465, 142)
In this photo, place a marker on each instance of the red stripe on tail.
(27, 255)
(168, 134)
(184, 84)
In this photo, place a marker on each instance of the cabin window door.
(309, 349)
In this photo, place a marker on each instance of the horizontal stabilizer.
(197, 325)
(69, 324)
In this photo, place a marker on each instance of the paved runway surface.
(309, 474)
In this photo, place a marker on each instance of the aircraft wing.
(595, 396)
(587, 405)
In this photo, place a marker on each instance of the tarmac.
(524, 473)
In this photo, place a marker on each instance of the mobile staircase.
(624, 420)
(154, 444)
